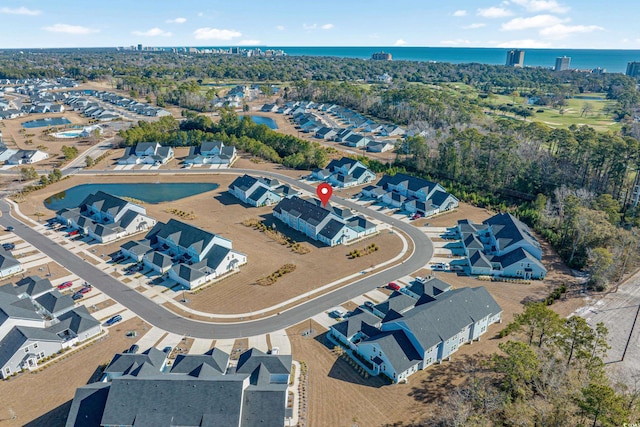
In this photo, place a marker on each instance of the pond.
(259, 120)
(147, 192)
(49, 121)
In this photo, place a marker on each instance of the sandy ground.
(221, 213)
(44, 398)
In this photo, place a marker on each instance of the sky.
(589, 24)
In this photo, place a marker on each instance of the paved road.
(169, 321)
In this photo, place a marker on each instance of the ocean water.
(614, 61)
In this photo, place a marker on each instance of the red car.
(73, 233)
(65, 285)
(393, 286)
(85, 290)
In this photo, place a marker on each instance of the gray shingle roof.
(186, 363)
(7, 260)
(124, 362)
(54, 301)
(508, 230)
(304, 209)
(398, 348)
(354, 323)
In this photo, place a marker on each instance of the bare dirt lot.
(221, 213)
(44, 398)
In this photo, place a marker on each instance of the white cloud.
(200, 14)
(176, 21)
(20, 11)
(456, 42)
(474, 26)
(248, 42)
(153, 32)
(524, 44)
(494, 12)
(542, 5)
(460, 13)
(310, 27)
(70, 29)
(207, 33)
(561, 31)
(537, 21)
(280, 28)
(400, 42)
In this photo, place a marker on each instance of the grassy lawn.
(573, 112)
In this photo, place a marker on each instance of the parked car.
(77, 296)
(65, 285)
(167, 349)
(112, 320)
(134, 348)
(441, 266)
(335, 314)
(9, 228)
(393, 286)
(421, 280)
(415, 215)
(8, 246)
(368, 304)
(85, 289)
(73, 233)
(274, 350)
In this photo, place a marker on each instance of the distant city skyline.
(523, 24)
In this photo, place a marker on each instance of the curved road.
(161, 317)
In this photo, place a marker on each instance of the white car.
(274, 350)
(440, 267)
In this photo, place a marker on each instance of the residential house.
(26, 157)
(356, 140)
(342, 135)
(412, 194)
(211, 153)
(190, 255)
(380, 146)
(392, 130)
(251, 395)
(151, 153)
(501, 246)
(326, 133)
(36, 323)
(412, 330)
(105, 217)
(345, 172)
(329, 226)
(8, 264)
(135, 250)
(259, 191)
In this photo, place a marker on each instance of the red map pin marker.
(324, 192)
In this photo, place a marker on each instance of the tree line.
(242, 133)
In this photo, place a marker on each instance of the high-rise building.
(633, 69)
(381, 56)
(515, 58)
(139, 47)
(562, 63)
